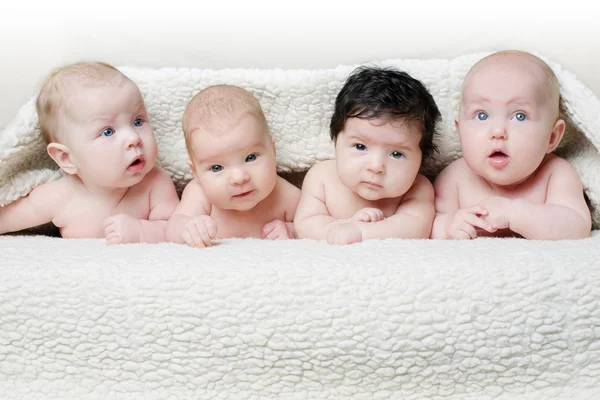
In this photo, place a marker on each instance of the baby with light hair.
(508, 182)
(236, 191)
(95, 124)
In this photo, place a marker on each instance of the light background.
(36, 36)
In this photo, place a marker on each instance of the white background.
(36, 36)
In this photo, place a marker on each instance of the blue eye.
(108, 132)
(138, 122)
(216, 168)
(360, 147)
(520, 116)
(251, 157)
(482, 116)
(397, 154)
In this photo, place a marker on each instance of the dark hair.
(374, 92)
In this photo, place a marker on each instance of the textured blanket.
(251, 319)
(298, 105)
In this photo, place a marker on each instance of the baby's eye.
(397, 154)
(108, 132)
(482, 116)
(138, 122)
(216, 168)
(360, 147)
(520, 116)
(251, 157)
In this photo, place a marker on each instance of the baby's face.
(236, 169)
(506, 120)
(378, 160)
(107, 131)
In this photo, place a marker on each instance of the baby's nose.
(239, 176)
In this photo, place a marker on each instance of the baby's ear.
(62, 156)
(558, 130)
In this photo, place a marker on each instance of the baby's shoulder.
(321, 172)
(455, 171)
(156, 177)
(552, 163)
(58, 191)
(554, 167)
(285, 187)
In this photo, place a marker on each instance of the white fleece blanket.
(251, 319)
(298, 105)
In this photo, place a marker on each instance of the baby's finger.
(478, 210)
(108, 221)
(113, 238)
(194, 237)
(273, 235)
(204, 234)
(479, 223)
(211, 227)
(468, 230)
(267, 229)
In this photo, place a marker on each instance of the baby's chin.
(506, 180)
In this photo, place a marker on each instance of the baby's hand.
(122, 228)
(344, 233)
(498, 212)
(462, 223)
(199, 231)
(278, 229)
(368, 214)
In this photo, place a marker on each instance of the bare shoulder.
(453, 170)
(320, 173)
(555, 164)
(286, 189)
(157, 177)
(59, 189)
(193, 191)
(421, 188)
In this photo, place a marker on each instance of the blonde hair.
(553, 86)
(55, 89)
(216, 108)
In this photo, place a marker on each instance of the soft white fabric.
(411, 319)
(298, 105)
(483, 319)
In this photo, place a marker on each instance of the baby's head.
(509, 116)
(95, 124)
(232, 154)
(383, 126)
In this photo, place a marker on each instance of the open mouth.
(498, 158)
(137, 164)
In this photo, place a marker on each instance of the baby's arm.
(312, 219)
(190, 222)
(40, 206)
(124, 228)
(450, 221)
(565, 214)
(284, 229)
(413, 218)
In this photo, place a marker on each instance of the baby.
(235, 191)
(382, 126)
(508, 183)
(94, 120)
